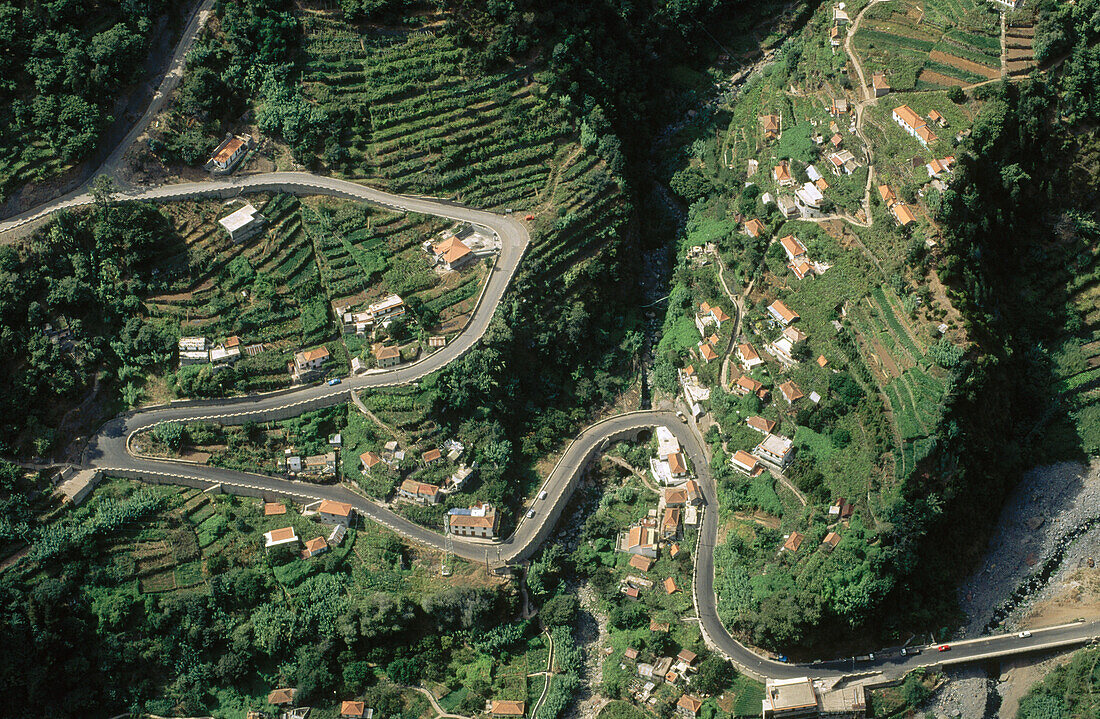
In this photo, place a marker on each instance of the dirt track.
(937, 79)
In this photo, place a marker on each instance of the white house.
(776, 449)
(781, 313)
(310, 359)
(788, 205)
(748, 356)
(452, 253)
(243, 223)
(908, 120)
(386, 308)
(277, 537)
(809, 196)
(479, 520)
(387, 356)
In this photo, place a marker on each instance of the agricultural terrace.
(277, 288)
(165, 547)
(929, 45)
(422, 124)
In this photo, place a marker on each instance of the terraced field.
(22, 162)
(931, 45)
(417, 121)
(1019, 55)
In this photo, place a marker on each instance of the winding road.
(108, 452)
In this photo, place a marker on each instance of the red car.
(943, 648)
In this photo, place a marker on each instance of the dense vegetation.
(63, 66)
(1068, 691)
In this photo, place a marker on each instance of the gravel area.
(1049, 504)
(966, 694)
(591, 701)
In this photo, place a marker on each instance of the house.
(771, 125)
(788, 205)
(355, 709)
(781, 173)
(642, 564)
(192, 350)
(913, 124)
(687, 656)
(879, 84)
(812, 173)
(431, 457)
(767, 199)
(419, 491)
(754, 228)
(274, 509)
(386, 308)
(243, 223)
(507, 708)
(810, 198)
(836, 141)
(802, 269)
(459, 477)
(748, 356)
(479, 520)
(631, 653)
(707, 352)
(745, 384)
(689, 706)
(794, 541)
(782, 313)
(337, 535)
(888, 197)
(655, 626)
(279, 697)
(834, 36)
(437, 341)
(841, 509)
(902, 214)
(670, 586)
(776, 449)
(745, 462)
(937, 118)
(293, 462)
(761, 425)
(790, 392)
(751, 168)
(795, 250)
(387, 356)
(639, 540)
(368, 461)
(821, 361)
(332, 512)
(831, 540)
(452, 253)
(670, 523)
(709, 313)
(675, 496)
(320, 465)
(1009, 4)
(227, 154)
(842, 163)
(840, 107)
(310, 360)
(277, 537)
(790, 698)
(840, 15)
(315, 546)
(937, 168)
(631, 592)
(666, 443)
(676, 465)
(694, 494)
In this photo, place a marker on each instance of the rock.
(1034, 523)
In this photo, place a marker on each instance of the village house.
(278, 537)
(771, 125)
(751, 168)
(431, 457)
(831, 540)
(337, 535)
(842, 163)
(452, 253)
(840, 107)
(790, 391)
(879, 84)
(631, 592)
(281, 697)
(802, 697)
(834, 36)
(387, 356)
(227, 154)
(746, 385)
(708, 314)
(386, 308)
(788, 206)
(745, 462)
(821, 361)
(902, 214)
(643, 564)
(748, 356)
(670, 523)
(356, 710)
(841, 509)
(809, 199)
(308, 362)
(315, 546)
(795, 250)
(320, 465)
(937, 118)
(274, 509)
(783, 348)
(458, 478)
(781, 313)
(781, 173)
(794, 541)
(937, 168)
(675, 496)
(479, 520)
(192, 351)
(802, 269)
(836, 141)
(761, 425)
(776, 449)
(420, 492)
(840, 15)
(368, 461)
(243, 223)
(226, 353)
(913, 124)
(689, 706)
(707, 352)
(437, 341)
(754, 228)
(507, 708)
(639, 540)
(671, 586)
(332, 512)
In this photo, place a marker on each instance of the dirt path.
(548, 674)
(439, 711)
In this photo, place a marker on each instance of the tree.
(405, 671)
(714, 675)
(956, 95)
(561, 610)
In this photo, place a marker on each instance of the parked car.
(530, 513)
(1024, 634)
(682, 417)
(909, 651)
(334, 381)
(542, 494)
(943, 648)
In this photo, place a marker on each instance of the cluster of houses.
(654, 672)
(803, 697)
(903, 216)
(338, 514)
(198, 350)
(799, 260)
(315, 466)
(916, 125)
(708, 319)
(284, 699)
(363, 322)
(840, 512)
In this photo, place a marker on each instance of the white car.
(542, 494)
(1024, 635)
(530, 513)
